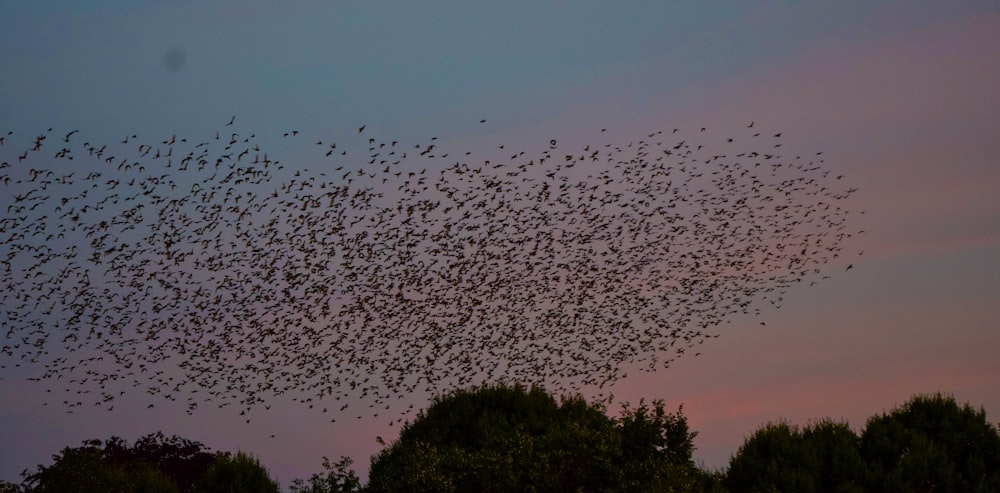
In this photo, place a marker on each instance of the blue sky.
(315, 64)
(900, 96)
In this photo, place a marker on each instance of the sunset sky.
(901, 97)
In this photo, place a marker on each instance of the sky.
(899, 96)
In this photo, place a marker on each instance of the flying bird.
(235, 278)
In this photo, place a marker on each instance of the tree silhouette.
(86, 470)
(511, 438)
(932, 444)
(502, 438)
(822, 457)
(236, 473)
(155, 462)
(180, 459)
(928, 444)
(339, 478)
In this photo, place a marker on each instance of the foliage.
(832, 448)
(769, 460)
(8, 487)
(85, 470)
(154, 463)
(339, 478)
(509, 438)
(239, 473)
(932, 444)
(657, 449)
(822, 457)
(180, 459)
(928, 444)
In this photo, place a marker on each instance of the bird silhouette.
(211, 272)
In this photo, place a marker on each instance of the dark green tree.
(503, 438)
(932, 444)
(657, 449)
(495, 438)
(833, 451)
(153, 463)
(770, 460)
(180, 459)
(236, 473)
(339, 478)
(823, 457)
(85, 470)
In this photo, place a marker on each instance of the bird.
(247, 279)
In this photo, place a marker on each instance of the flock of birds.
(211, 273)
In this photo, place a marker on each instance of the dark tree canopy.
(511, 438)
(822, 457)
(85, 470)
(338, 478)
(928, 444)
(932, 443)
(236, 473)
(502, 438)
(180, 459)
(153, 464)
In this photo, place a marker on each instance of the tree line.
(501, 438)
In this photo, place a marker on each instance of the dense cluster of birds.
(211, 273)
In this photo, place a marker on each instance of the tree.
(657, 448)
(833, 449)
(85, 470)
(154, 463)
(180, 459)
(239, 473)
(932, 444)
(769, 460)
(490, 438)
(929, 444)
(339, 478)
(8, 487)
(822, 457)
(508, 438)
